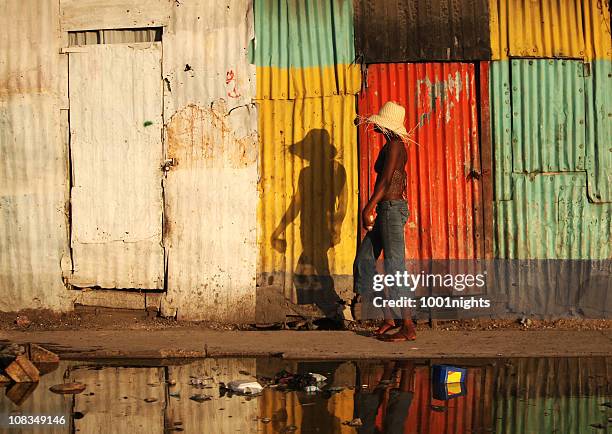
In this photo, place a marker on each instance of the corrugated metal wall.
(34, 180)
(304, 48)
(211, 132)
(444, 191)
(598, 91)
(308, 187)
(550, 28)
(422, 30)
(550, 124)
(308, 150)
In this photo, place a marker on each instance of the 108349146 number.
(36, 420)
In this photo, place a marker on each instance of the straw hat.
(390, 118)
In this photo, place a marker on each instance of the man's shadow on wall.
(321, 203)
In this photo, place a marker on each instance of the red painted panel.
(444, 187)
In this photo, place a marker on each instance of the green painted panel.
(303, 33)
(550, 217)
(548, 115)
(501, 127)
(599, 130)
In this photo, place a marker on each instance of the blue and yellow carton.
(447, 381)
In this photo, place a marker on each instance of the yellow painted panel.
(309, 82)
(308, 190)
(550, 28)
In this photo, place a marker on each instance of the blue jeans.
(387, 236)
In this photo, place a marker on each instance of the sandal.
(400, 336)
(384, 329)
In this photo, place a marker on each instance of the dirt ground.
(91, 318)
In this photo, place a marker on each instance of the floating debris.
(200, 397)
(245, 387)
(68, 388)
(355, 422)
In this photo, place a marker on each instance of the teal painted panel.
(548, 115)
(303, 33)
(501, 127)
(599, 131)
(550, 217)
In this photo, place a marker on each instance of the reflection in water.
(321, 202)
(540, 396)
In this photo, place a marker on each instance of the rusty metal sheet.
(305, 48)
(33, 190)
(549, 28)
(116, 156)
(211, 191)
(113, 14)
(422, 30)
(308, 190)
(444, 189)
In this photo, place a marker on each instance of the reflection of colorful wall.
(306, 83)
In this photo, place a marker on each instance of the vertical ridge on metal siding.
(443, 200)
(304, 49)
(33, 188)
(307, 147)
(599, 131)
(550, 28)
(501, 127)
(211, 192)
(548, 115)
(550, 217)
(422, 30)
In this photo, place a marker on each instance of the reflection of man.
(321, 201)
(387, 401)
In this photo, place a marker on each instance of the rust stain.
(201, 137)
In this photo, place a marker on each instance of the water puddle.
(545, 395)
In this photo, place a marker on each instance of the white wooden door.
(116, 153)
